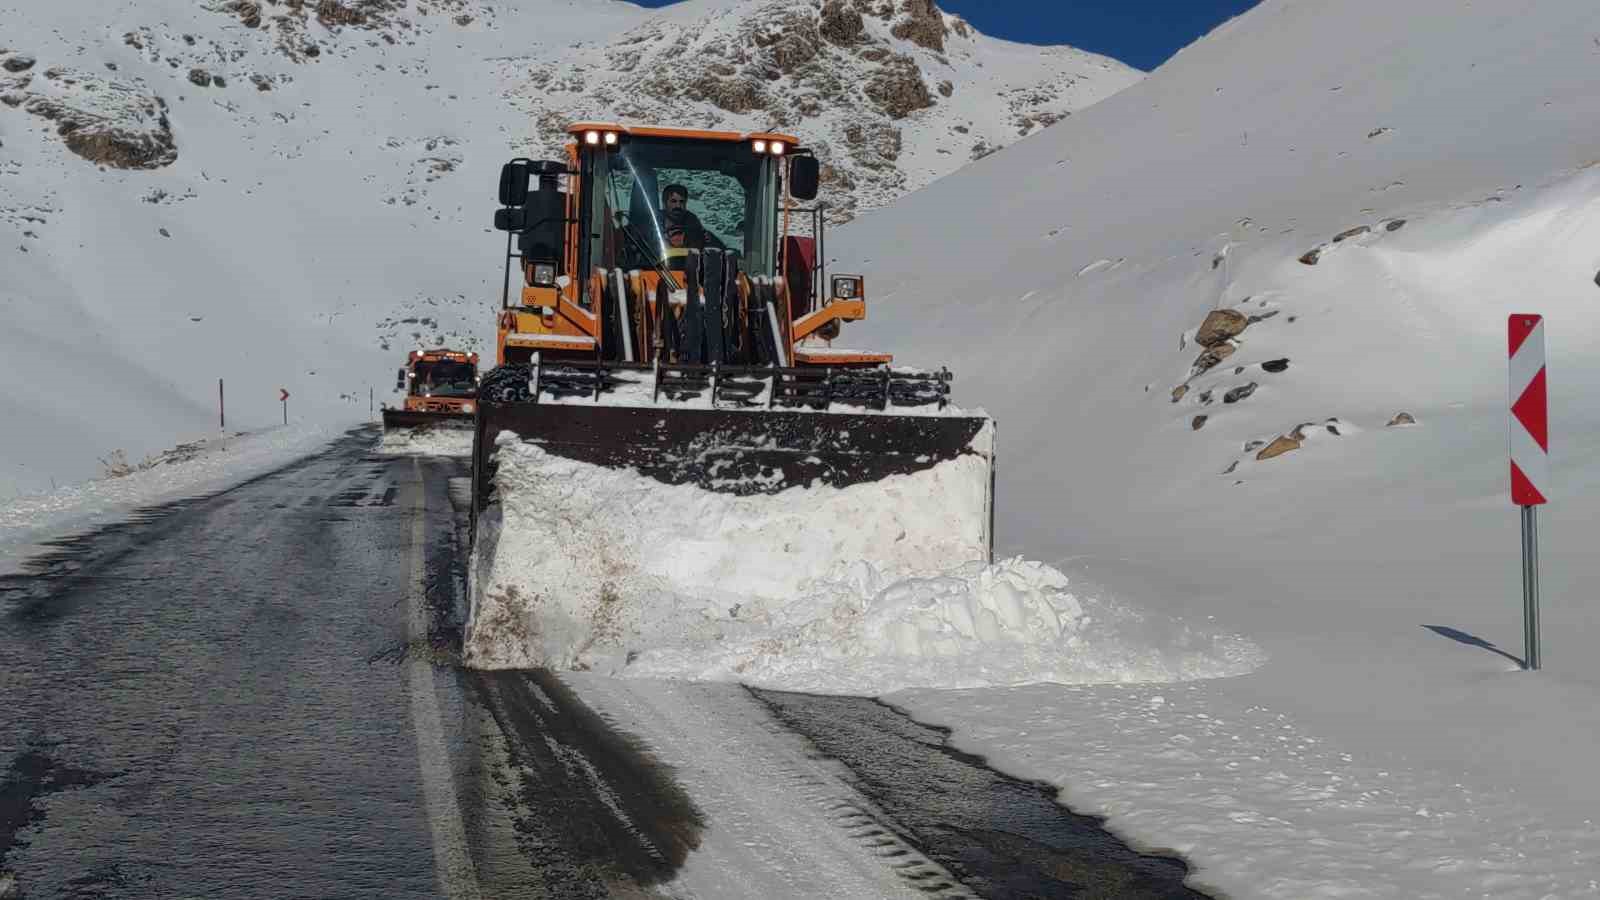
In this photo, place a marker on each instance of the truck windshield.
(665, 197)
(445, 378)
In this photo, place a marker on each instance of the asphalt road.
(255, 695)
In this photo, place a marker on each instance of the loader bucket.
(747, 447)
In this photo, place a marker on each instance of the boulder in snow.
(1219, 326)
(1239, 393)
(1211, 356)
(1349, 233)
(1401, 419)
(1279, 446)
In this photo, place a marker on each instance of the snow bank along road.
(254, 695)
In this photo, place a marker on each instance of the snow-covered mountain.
(291, 194)
(1243, 328)
(892, 95)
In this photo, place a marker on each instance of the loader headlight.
(847, 287)
(544, 274)
(466, 407)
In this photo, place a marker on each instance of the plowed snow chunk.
(114, 123)
(677, 555)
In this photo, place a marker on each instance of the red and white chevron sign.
(1530, 413)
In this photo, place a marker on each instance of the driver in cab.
(681, 228)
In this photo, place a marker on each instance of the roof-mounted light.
(592, 138)
(777, 148)
(760, 146)
(611, 139)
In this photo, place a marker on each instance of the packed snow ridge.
(860, 589)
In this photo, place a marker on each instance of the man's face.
(674, 202)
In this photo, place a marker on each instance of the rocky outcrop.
(841, 24)
(921, 23)
(897, 88)
(1401, 419)
(859, 81)
(119, 124)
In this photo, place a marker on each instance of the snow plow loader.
(441, 388)
(667, 309)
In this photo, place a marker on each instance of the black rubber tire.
(506, 384)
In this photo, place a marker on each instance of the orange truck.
(441, 388)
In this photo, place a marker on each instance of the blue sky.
(1141, 33)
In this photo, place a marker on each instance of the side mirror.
(400, 380)
(511, 219)
(514, 183)
(805, 173)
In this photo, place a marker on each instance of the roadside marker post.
(1530, 460)
(283, 397)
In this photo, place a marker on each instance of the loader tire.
(506, 384)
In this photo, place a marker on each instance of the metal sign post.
(1530, 460)
(283, 397)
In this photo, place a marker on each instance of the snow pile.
(444, 440)
(855, 589)
(1014, 622)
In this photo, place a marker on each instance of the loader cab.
(732, 202)
(607, 284)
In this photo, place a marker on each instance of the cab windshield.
(445, 378)
(663, 197)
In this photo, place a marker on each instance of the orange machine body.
(562, 318)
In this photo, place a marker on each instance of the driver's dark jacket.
(684, 230)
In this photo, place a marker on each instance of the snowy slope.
(286, 194)
(1064, 280)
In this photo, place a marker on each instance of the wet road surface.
(255, 695)
(251, 695)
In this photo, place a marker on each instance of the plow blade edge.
(394, 419)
